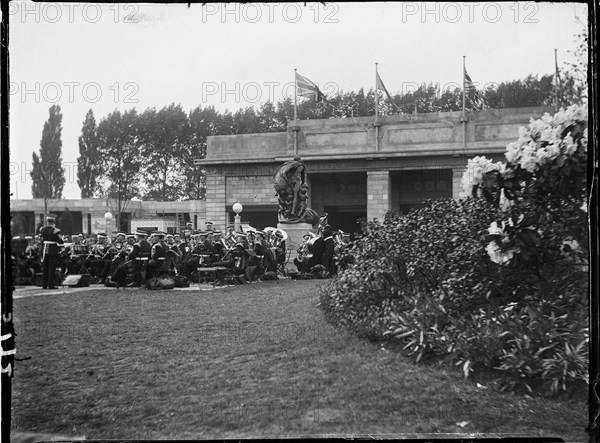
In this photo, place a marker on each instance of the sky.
(120, 56)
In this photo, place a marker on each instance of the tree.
(48, 174)
(573, 84)
(163, 140)
(202, 122)
(119, 149)
(88, 162)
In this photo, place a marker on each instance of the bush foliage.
(497, 280)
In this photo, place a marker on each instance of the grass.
(247, 361)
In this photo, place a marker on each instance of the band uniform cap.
(130, 236)
(28, 237)
(121, 233)
(169, 235)
(280, 233)
(101, 236)
(51, 219)
(17, 237)
(142, 233)
(217, 232)
(202, 233)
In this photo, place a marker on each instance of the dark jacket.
(51, 238)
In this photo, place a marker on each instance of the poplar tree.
(48, 174)
(88, 164)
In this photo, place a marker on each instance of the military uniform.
(328, 251)
(51, 239)
(133, 260)
(159, 253)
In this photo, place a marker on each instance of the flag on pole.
(474, 95)
(307, 88)
(381, 87)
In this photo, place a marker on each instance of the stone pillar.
(216, 211)
(378, 194)
(457, 188)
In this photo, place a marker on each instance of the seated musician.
(302, 252)
(140, 249)
(199, 254)
(218, 248)
(98, 260)
(236, 260)
(173, 255)
(256, 254)
(280, 246)
(33, 255)
(179, 244)
(159, 253)
(78, 253)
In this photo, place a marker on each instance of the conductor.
(51, 239)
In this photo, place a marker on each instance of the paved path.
(37, 291)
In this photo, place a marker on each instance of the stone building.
(350, 174)
(87, 215)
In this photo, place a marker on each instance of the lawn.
(255, 360)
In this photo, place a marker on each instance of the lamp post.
(108, 217)
(237, 220)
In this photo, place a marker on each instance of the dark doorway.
(69, 222)
(258, 219)
(345, 218)
(23, 222)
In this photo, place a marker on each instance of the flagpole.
(463, 119)
(555, 80)
(295, 113)
(376, 110)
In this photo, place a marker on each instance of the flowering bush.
(494, 282)
(545, 179)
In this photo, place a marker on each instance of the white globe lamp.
(237, 220)
(108, 217)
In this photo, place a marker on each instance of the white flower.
(494, 229)
(528, 159)
(504, 203)
(497, 255)
(569, 145)
(513, 153)
(476, 168)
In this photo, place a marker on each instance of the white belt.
(50, 242)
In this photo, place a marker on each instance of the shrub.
(494, 282)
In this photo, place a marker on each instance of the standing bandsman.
(328, 250)
(51, 237)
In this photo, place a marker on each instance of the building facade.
(356, 167)
(87, 215)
